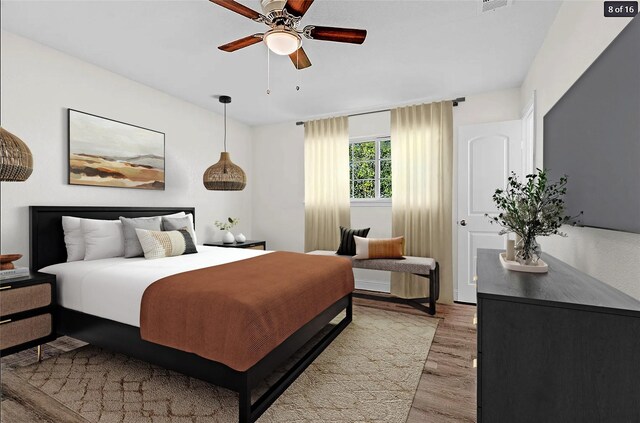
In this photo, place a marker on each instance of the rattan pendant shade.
(16, 161)
(224, 175)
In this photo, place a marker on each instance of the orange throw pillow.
(381, 248)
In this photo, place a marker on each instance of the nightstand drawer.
(19, 332)
(256, 247)
(18, 299)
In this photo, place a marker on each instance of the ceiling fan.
(284, 37)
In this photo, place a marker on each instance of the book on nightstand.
(14, 273)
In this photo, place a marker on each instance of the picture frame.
(110, 153)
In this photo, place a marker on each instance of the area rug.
(368, 374)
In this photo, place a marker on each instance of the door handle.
(463, 222)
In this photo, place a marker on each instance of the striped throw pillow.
(372, 248)
(347, 244)
(159, 244)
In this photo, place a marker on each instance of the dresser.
(555, 347)
(27, 312)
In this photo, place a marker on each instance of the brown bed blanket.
(237, 313)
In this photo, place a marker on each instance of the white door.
(487, 154)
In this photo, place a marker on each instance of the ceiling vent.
(491, 5)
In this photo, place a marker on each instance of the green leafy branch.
(230, 223)
(533, 208)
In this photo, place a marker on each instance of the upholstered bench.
(420, 266)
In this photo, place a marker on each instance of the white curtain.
(326, 182)
(422, 171)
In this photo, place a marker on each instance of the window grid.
(377, 161)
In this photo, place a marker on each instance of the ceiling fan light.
(282, 42)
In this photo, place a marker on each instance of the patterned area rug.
(368, 374)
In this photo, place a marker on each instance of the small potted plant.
(531, 209)
(227, 237)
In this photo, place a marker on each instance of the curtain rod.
(455, 101)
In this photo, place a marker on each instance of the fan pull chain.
(298, 68)
(268, 73)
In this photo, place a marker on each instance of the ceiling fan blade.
(300, 59)
(340, 35)
(298, 7)
(239, 8)
(241, 43)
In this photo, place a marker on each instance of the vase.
(241, 238)
(527, 250)
(228, 238)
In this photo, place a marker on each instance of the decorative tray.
(540, 267)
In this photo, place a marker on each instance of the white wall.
(493, 106)
(577, 37)
(39, 84)
(278, 186)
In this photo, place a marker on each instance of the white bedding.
(112, 288)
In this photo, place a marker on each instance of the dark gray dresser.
(556, 347)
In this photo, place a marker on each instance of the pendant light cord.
(225, 127)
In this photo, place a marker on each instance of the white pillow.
(179, 214)
(102, 238)
(73, 238)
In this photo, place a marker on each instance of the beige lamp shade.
(224, 175)
(16, 161)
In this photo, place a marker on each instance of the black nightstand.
(253, 245)
(27, 307)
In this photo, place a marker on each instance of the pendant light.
(224, 175)
(16, 161)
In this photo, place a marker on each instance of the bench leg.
(434, 289)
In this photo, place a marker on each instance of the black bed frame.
(47, 247)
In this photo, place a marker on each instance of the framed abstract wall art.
(108, 153)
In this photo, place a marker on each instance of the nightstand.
(253, 245)
(27, 312)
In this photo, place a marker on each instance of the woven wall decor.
(16, 161)
(224, 175)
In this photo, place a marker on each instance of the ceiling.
(414, 50)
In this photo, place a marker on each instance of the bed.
(100, 303)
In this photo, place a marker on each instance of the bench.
(419, 266)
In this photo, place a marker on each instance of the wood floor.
(447, 389)
(446, 392)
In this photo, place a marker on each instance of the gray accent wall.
(592, 134)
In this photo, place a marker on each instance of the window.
(370, 167)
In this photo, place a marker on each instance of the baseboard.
(378, 286)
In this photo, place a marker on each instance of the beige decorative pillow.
(372, 248)
(158, 244)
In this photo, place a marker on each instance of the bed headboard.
(46, 237)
